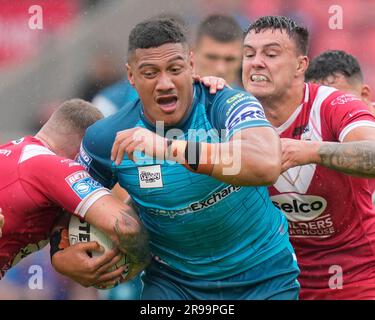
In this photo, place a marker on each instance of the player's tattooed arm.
(121, 223)
(132, 239)
(354, 158)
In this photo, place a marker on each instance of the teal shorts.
(274, 279)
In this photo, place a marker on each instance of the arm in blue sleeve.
(234, 110)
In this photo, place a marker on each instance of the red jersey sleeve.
(343, 112)
(62, 182)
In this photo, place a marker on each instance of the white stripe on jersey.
(295, 114)
(33, 150)
(87, 202)
(315, 117)
(351, 126)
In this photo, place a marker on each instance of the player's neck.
(278, 109)
(44, 140)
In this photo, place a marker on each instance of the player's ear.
(130, 74)
(366, 94)
(302, 65)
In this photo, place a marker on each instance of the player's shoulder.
(37, 160)
(32, 148)
(226, 97)
(325, 96)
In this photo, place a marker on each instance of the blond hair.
(75, 115)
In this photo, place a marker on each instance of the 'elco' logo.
(297, 207)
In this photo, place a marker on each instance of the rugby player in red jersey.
(38, 180)
(326, 135)
(328, 151)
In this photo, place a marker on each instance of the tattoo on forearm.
(356, 158)
(133, 238)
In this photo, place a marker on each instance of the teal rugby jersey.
(199, 226)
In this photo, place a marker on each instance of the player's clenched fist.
(297, 153)
(1, 223)
(138, 139)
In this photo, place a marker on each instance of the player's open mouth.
(167, 103)
(259, 78)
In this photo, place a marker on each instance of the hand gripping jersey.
(35, 184)
(199, 226)
(331, 216)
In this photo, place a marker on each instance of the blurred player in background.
(214, 235)
(218, 49)
(323, 131)
(113, 98)
(39, 179)
(338, 69)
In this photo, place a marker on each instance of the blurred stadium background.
(81, 49)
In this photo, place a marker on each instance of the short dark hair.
(298, 33)
(333, 62)
(154, 33)
(221, 28)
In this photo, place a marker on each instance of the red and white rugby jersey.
(331, 216)
(35, 184)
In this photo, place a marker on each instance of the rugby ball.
(81, 231)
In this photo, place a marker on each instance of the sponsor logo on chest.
(305, 214)
(150, 176)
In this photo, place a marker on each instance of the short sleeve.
(345, 112)
(63, 182)
(235, 110)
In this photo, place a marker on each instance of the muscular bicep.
(264, 137)
(256, 156)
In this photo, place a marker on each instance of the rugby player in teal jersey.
(200, 184)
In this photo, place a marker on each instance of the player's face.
(270, 63)
(163, 78)
(219, 59)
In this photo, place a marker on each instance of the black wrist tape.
(192, 145)
(168, 150)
